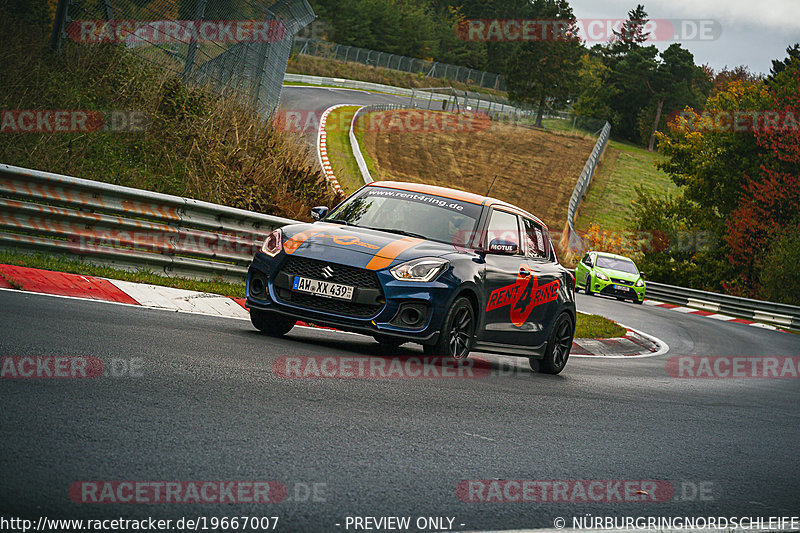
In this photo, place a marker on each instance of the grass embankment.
(330, 68)
(195, 144)
(589, 326)
(623, 168)
(597, 327)
(535, 169)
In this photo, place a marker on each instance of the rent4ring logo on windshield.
(523, 295)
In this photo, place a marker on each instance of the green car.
(611, 275)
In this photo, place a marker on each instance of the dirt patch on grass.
(536, 170)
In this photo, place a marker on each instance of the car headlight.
(639, 282)
(601, 275)
(422, 269)
(273, 244)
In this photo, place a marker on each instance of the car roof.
(455, 194)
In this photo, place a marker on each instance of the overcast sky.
(754, 32)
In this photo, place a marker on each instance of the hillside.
(535, 170)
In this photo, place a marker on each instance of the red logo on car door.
(523, 295)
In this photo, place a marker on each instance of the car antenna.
(492, 185)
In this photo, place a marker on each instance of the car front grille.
(621, 281)
(342, 274)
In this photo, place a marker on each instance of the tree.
(770, 201)
(546, 70)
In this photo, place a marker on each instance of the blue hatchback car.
(405, 262)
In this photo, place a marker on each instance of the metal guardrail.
(757, 310)
(126, 227)
(420, 94)
(362, 164)
(574, 242)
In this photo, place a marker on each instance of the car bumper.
(396, 296)
(609, 288)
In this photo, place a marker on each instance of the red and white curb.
(322, 149)
(710, 314)
(633, 344)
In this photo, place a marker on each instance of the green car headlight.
(639, 283)
(601, 276)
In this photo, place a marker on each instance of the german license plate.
(323, 288)
(621, 287)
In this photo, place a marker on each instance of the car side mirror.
(319, 212)
(498, 246)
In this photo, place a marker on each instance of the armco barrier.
(571, 241)
(126, 227)
(362, 164)
(757, 310)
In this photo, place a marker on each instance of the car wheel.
(457, 332)
(638, 301)
(387, 341)
(588, 289)
(558, 347)
(271, 323)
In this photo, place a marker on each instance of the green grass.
(340, 153)
(597, 327)
(74, 266)
(623, 168)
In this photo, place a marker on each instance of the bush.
(780, 268)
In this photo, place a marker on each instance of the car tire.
(388, 341)
(458, 332)
(271, 323)
(638, 301)
(588, 289)
(558, 347)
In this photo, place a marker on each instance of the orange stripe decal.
(294, 242)
(384, 257)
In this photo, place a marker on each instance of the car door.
(582, 268)
(505, 279)
(541, 305)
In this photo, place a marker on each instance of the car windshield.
(433, 217)
(613, 263)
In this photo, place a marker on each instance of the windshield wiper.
(399, 232)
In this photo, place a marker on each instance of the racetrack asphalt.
(206, 404)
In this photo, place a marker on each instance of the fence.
(236, 47)
(413, 65)
(571, 240)
(127, 228)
